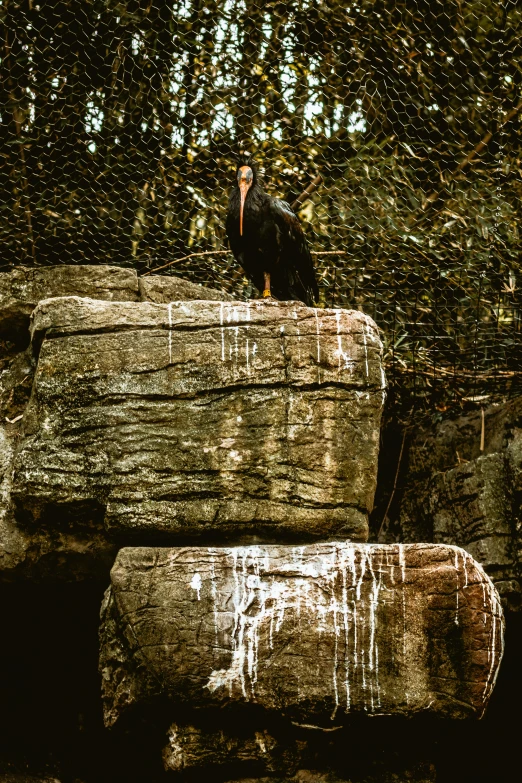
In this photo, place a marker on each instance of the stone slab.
(311, 633)
(231, 421)
(163, 289)
(22, 288)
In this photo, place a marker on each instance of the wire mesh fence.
(121, 123)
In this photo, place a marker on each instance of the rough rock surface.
(453, 492)
(23, 287)
(13, 542)
(231, 421)
(191, 747)
(58, 550)
(311, 633)
(296, 755)
(162, 290)
(40, 553)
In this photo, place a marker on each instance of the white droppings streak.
(213, 592)
(465, 558)
(458, 585)
(348, 363)
(317, 331)
(222, 319)
(402, 564)
(236, 329)
(196, 584)
(339, 339)
(170, 332)
(176, 754)
(332, 577)
(345, 590)
(365, 349)
(346, 638)
(282, 333)
(391, 567)
(343, 596)
(496, 633)
(373, 600)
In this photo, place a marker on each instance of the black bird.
(268, 242)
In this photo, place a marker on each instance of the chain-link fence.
(121, 123)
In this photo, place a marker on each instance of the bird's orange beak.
(245, 178)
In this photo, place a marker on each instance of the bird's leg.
(266, 293)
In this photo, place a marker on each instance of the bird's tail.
(304, 292)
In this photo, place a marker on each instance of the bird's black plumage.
(272, 241)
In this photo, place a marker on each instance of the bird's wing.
(295, 247)
(285, 211)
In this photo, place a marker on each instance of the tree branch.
(314, 184)
(478, 149)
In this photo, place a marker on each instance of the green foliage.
(122, 122)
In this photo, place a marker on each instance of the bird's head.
(246, 177)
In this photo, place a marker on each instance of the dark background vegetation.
(121, 122)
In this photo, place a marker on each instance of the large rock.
(202, 418)
(162, 290)
(311, 633)
(461, 483)
(22, 288)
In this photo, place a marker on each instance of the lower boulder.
(309, 634)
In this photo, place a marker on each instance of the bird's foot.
(267, 294)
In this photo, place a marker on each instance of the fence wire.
(121, 123)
